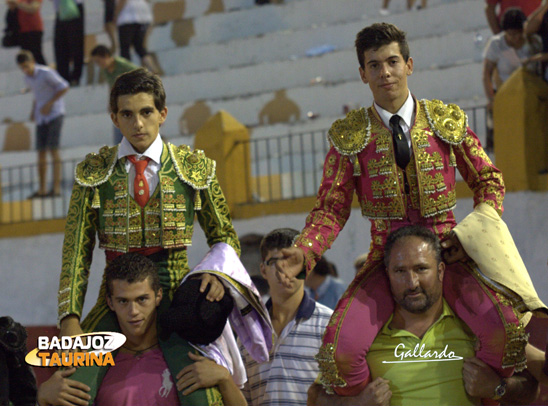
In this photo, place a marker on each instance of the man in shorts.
(48, 110)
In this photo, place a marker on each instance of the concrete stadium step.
(186, 8)
(299, 16)
(328, 30)
(320, 124)
(430, 52)
(286, 105)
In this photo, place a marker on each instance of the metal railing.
(20, 182)
(282, 167)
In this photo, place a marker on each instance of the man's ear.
(263, 270)
(441, 271)
(159, 296)
(114, 119)
(363, 76)
(109, 302)
(163, 115)
(409, 66)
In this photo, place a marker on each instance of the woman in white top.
(509, 50)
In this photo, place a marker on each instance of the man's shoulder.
(351, 134)
(448, 121)
(121, 61)
(323, 311)
(96, 168)
(192, 166)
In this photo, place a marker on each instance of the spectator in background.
(506, 52)
(323, 284)
(359, 262)
(112, 67)
(495, 9)
(110, 24)
(69, 42)
(298, 323)
(410, 3)
(48, 109)
(133, 18)
(31, 27)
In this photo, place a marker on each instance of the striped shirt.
(284, 380)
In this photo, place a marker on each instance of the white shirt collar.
(154, 152)
(405, 112)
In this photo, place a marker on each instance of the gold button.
(141, 192)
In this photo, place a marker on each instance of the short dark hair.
(24, 56)
(277, 239)
(323, 268)
(131, 267)
(412, 231)
(378, 35)
(513, 19)
(138, 81)
(101, 50)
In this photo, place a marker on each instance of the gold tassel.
(96, 203)
(452, 159)
(357, 168)
(197, 201)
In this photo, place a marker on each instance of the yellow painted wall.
(520, 116)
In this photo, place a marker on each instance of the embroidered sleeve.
(214, 216)
(331, 210)
(483, 178)
(80, 229)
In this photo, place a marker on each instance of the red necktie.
(140, 185)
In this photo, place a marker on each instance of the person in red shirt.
(31, 28)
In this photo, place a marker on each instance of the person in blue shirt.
(323, 285)
(48, 110)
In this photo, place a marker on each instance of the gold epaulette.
(351, 134)
(192, 167)
(448, 121)
(96, 169)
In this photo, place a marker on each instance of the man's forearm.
(534, 21)
(232, 395)
(492, 19)
(70, 325)
(58, 95)
(535, 363)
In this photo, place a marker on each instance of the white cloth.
(154, 152)
(487, 240)
(249, 318)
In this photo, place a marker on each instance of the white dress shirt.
(406, 112)
(154, 152)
